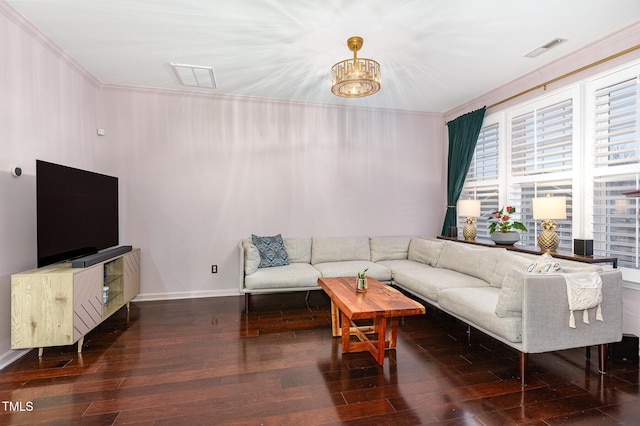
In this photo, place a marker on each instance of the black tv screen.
(77, 212)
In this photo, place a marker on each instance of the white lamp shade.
(469, 208)
(550, 208)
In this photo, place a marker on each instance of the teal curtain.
(463, 136)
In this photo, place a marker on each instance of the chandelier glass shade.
(357, 77)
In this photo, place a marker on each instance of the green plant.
(362, 274)
(501, 220)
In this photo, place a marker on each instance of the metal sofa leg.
(523, 368)
(602, 359)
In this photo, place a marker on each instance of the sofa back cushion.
(425, 250)
(479, 262)
(336, 249)
(511, 294)
(298, 249)
(505, 262)
(389, 248)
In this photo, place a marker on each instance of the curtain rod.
(569, 74)
(563, 76)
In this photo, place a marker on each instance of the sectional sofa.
(487, 288)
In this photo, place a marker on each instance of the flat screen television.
(77, 212)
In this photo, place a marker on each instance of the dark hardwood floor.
(203, 362)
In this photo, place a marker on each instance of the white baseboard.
(185, 295)
(11, 356)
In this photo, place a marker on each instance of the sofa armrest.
(545, 314)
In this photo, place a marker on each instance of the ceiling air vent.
(545, 47)
(195, 75)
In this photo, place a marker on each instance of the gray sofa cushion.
(477, 305)
(251, 257)
(293, 275)
(298, 249)
(389, 248)
(402, 264)
(425, 251)
(506, 261)
(510, 297)
(335, 249)
(427, 282)
(477, 262)
(350, 268)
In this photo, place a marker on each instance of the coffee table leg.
(381, 329)
(335, 319)
(393, 332)
(346, 333)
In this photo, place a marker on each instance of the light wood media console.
(58, 305)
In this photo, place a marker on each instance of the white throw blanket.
(584, 291)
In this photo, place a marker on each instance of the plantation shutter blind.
(489, 195)
(616, 158)
(615, 219)
(522, 196)
(484, 165)
(541, 140)
(616, 137)
(481, 182)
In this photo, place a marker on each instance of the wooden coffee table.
(382, 303)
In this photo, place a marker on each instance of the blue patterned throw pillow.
(272, 251)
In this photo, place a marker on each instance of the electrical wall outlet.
(214, 269)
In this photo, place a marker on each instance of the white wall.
(200, 172)
(47, 111)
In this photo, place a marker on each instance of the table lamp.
(548, 209)
(470, 209)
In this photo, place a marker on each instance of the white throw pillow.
(545, 264)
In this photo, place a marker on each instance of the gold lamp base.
(548, 240)
(469, 231)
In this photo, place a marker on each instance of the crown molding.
(24, 24)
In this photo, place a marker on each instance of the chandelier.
(357, 77)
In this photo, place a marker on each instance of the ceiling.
(434, 54)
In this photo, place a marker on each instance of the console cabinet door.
(131, 275)
(87, 300)
(41, 310)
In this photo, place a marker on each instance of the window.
(614, 108)
(616, 124)
(615, 219)
(482, 179)
(541, 160)
(484, 165)
(541, 140)
(488, 194)
(581, 142)
(522, 196)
